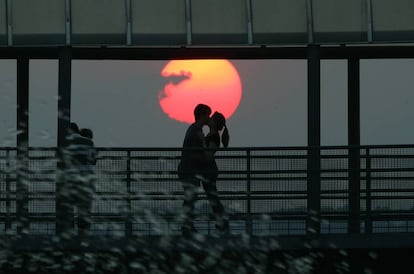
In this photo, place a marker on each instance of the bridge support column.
(354, 143)
(64, 94)
(22, 143)
(314, 128)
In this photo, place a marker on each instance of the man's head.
(73, 128)
(202, 113)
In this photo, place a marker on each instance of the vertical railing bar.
(128, 225)
(9, 19)
(249, 215)
(68, 21)
(188, 20)
(309, 20)
(368, 218)
(370, 28)
(8, 190)
(128, 15)
(249, 22)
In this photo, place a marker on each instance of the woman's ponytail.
(225, 137)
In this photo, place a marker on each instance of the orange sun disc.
(212, 82)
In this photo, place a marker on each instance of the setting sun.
(212, 82)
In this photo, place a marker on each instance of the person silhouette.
(216, 124)
(192, 162)
(78, 157)
(199, 165)
(88, 190)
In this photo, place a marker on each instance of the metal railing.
(265, 191)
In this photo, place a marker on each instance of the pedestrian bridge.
(266, 191)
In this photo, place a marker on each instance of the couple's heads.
(217, 120)
(202, 115)
(85, 132)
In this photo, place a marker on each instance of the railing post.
(64, 103)
(128, 224)
(8, 225)
(354, 143)
(22, 143)
(368, 204)
(354, 190)
(314, 131)
(313, 191)
(249, 225)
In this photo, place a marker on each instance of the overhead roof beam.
(151, 53)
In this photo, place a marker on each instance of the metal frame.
(188, 20)
(309, 20)
(128, 13)
(313, 53)
(190, 52)
(369, 21)
(68, 21)
(9, 19)
(249, 22)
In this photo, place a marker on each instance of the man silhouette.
(192, 164)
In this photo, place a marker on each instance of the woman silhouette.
(213, 139)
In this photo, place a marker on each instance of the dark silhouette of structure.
(349, 200)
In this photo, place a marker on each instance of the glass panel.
(386, 96)
(334, 99)
(38, 22)
(43, 103)
(3, 22)
(8, 102)
(339, 21)
(158, 22)
(393, 20)
(279, 21)
(98, 22)
(219, 21)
